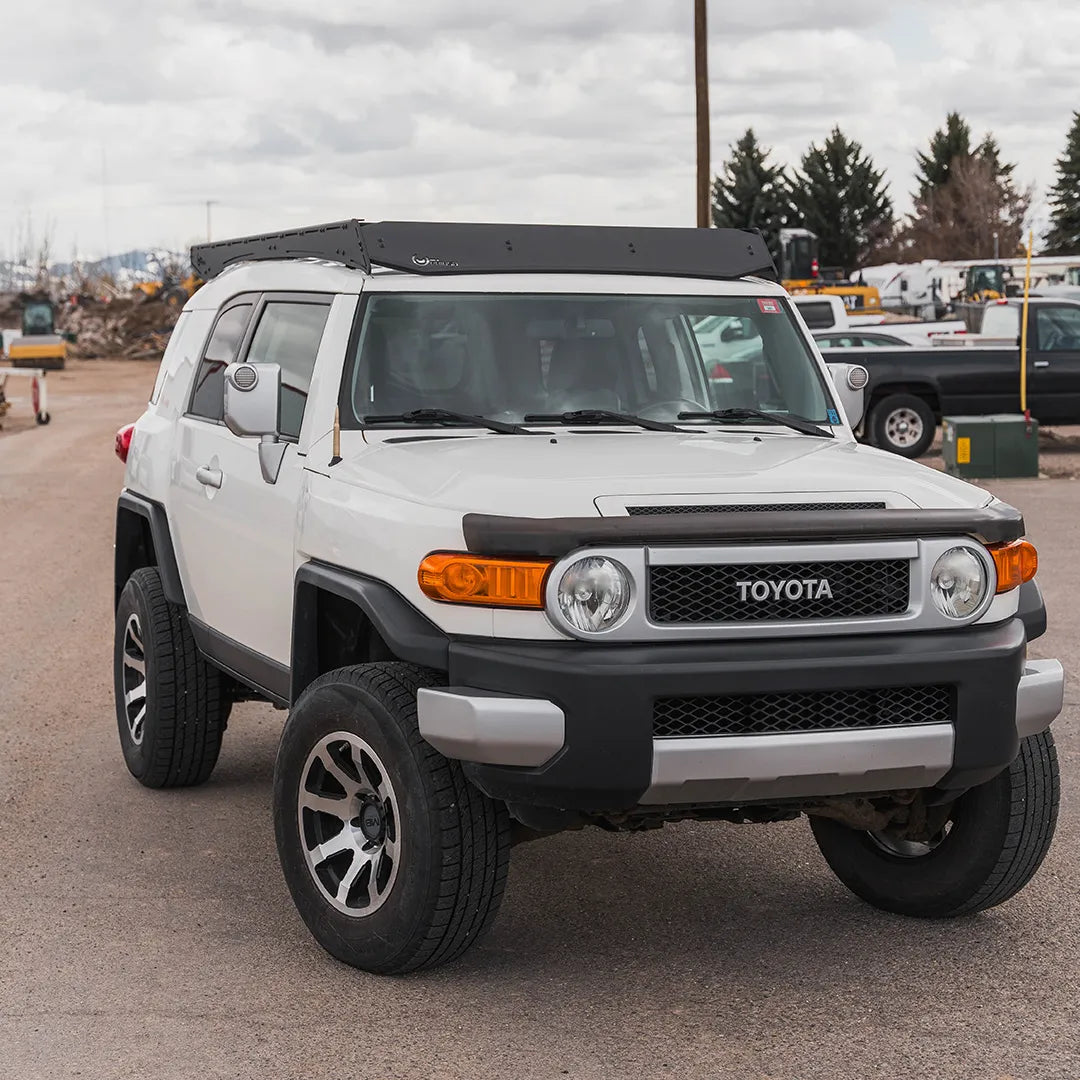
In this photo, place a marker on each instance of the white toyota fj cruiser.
(471, 502)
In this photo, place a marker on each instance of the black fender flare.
(408, 634)
(131, 510)
(1032, 609)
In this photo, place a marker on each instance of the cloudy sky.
(123, 117)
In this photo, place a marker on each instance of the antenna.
(337, 436)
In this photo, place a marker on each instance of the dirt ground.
(150, 934)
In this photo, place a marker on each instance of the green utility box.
(990, 446)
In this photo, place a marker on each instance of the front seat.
(583, 374)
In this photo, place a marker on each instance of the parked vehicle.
(801, 274)
(515, 564)
(860, 340)
(911, 389)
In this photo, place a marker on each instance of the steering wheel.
(669, 410)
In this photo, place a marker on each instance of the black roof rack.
(460, 248)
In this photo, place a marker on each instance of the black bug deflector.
(489, 534)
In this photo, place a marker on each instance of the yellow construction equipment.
(801, 274)
(39, 346)
(170, 290)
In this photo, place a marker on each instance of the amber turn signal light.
(469, 579)
(1015, 562)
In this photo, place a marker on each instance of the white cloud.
(290, 112)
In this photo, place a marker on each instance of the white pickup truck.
(466, 501)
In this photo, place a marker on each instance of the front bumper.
(570, 725)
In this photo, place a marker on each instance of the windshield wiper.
(796, 423)
(600, 416)
(448, 416)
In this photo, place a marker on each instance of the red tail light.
(720, 374)
(123, 441)
(815, 269)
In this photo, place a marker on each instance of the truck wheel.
(904, 424)
(991, 846)
(171, 705)
(394, 860)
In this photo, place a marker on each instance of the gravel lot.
(151, 934)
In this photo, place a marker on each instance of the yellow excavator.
(800, 273)
(170, 290)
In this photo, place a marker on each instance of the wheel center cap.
(371, 821)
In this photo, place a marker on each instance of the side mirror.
(851, 381)
(731, 332)
(252, 402)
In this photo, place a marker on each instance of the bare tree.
(960, 219)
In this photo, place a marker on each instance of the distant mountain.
(129, 267)
(125, 269)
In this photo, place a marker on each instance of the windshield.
(507, 356)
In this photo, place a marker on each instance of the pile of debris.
(129, 327)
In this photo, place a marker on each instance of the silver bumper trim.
(479, 725)
(1040, 696)
(732, 768)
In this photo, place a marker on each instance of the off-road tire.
(878, 422)
(187, 699)
(1000, 834)
(455, 840)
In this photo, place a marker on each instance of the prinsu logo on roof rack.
(434, 262)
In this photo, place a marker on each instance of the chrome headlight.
(958, 583)
(594, 594)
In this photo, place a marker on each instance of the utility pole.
(209, 203)
(701, 79)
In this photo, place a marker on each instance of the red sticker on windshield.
(769, 307)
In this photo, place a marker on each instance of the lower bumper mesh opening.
(775, 714)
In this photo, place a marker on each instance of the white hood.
(564, 474)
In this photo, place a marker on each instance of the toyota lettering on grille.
(789, 589)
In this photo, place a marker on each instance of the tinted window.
(208, 400)
(818, 315)
(505, 357)
(1058, 328)
(288, 335)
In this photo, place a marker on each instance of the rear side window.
(818, 314)
(1058, 329)
(208, 398)
(288, 335)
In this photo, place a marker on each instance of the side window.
(172, 350)
(208, 398)
(288, 335)
(1058, 328)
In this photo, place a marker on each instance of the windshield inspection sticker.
(769, 307)
(834, 416)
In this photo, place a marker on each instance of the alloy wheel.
(134, 679)
(350, 828)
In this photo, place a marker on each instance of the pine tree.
(1064, 235)
(751, 193)
(946, 144)
(839, 195)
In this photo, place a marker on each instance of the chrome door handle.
(210, 477)
(1041, 363)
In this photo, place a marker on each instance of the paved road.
(151, 934)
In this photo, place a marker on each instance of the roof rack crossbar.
(461, 248)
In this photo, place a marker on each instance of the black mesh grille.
(763, 592)
(732, 508)
(774, 714)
